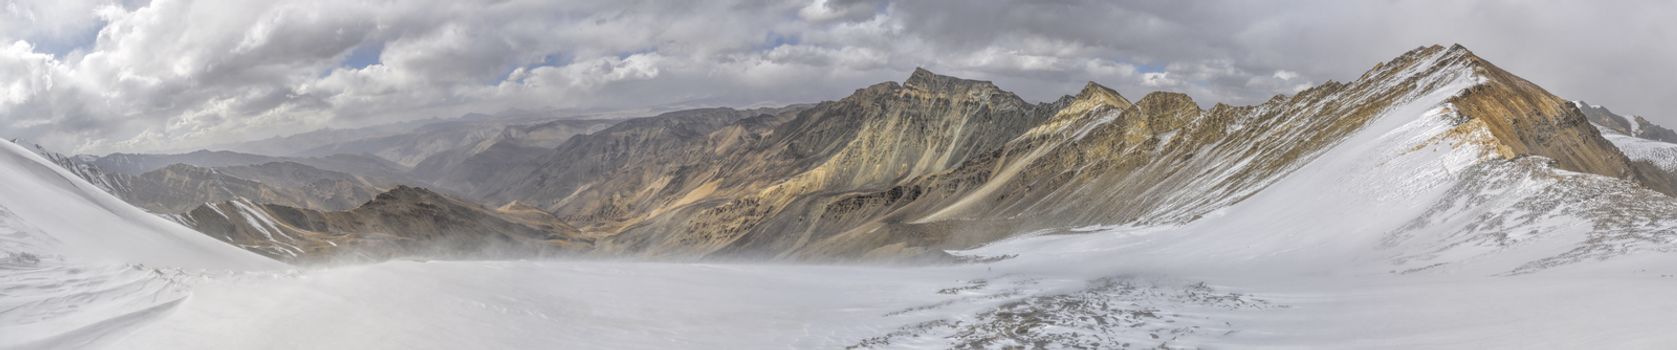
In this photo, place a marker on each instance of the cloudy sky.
(97, 76)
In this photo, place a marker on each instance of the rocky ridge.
(905, 170)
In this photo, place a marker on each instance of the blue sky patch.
(365, 55)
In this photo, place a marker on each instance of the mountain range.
(1437, 200)
(895, 171)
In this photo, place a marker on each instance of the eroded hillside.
(936, 162)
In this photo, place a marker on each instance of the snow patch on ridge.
(1661, 154)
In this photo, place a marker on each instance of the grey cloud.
(170, 75)
(840, 10)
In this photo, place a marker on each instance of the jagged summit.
(1529, 120)
(1454, 50)
(1102, 94)
(1093, 96)
(923, 79)
(1520, 117)
(1426, 60)
(1463, 53)
(1160, 98)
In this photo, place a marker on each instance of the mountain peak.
(1461, 52)
(1522, 117)
(923, 79)
(1158, 99)
(1102, 94)
(1433, 59)
(920, 73)
(1453, 50)
(1092, 96)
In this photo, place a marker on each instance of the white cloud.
(56, 21)
(102, 76)
(1159, 79)
(828, 10)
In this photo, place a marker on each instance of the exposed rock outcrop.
(907, 170)
(1528, 120)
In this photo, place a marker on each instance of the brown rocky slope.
(904, 170)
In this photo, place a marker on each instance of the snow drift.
(79, 266)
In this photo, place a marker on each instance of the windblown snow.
(1398, 237)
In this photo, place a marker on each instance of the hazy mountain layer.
(136, 164)
(180, 187)
(461, 138)
(403, 222)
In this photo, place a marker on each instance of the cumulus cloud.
(172, 75)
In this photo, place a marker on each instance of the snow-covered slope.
(1417, 230)
(1622, 132)
(79, 266)
(50, 213)
(1661, 154)
(1415, 192)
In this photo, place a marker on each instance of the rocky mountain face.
(936, 162)
(1163, 160)
(403, 222)
(314, 188)
(878, 137)
(645, 146)
(181, 187)
(1633, 126)
(893, 171)
(694, 181)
